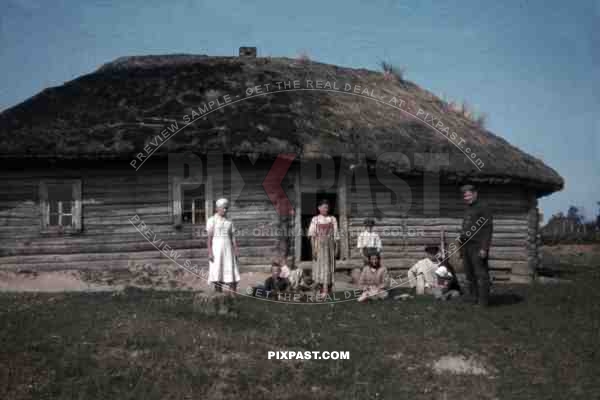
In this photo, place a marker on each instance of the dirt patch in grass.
(460, 365)
(94, 281)
(165, 279)
(57, 281)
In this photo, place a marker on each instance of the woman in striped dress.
(324, 235)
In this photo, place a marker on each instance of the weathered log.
(174, 253)
(524, 279)
(406, 263)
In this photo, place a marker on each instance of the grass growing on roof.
(391, 71)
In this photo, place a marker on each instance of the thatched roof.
(119, 109)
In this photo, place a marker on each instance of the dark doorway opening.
(309, 210)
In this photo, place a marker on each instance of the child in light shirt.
(422, 275)
(369, 242)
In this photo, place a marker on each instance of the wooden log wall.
(532, 240)
(112, 193)
(413, 222)
(255, 215)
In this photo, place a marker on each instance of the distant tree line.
(571, 228)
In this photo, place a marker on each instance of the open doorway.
(309, 210)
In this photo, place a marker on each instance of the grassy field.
(536, 342)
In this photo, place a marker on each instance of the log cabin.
(155, 140)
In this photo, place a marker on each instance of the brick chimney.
(247, 51)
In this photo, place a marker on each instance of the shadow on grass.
(505, 299)
(556, 272)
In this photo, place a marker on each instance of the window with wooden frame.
(192, 201)
(60, 205)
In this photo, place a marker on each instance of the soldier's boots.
(478, 293)
(471, 294)
(484, 293)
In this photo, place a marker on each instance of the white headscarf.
(443, 272)
(222, 203)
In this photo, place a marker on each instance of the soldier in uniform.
(475, 240)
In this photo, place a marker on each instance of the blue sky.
(532, 66)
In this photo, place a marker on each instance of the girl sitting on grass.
(374, 279)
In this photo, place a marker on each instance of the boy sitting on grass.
(276, 284)
(273, 285)
(421, 276)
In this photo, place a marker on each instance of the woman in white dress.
(223, 250)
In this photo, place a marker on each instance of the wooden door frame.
(298, 219)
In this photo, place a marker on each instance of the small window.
(193, 204)
(60, 203)
(192, 201)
